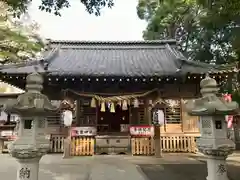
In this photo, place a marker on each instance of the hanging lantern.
(103, 108)
(150, 102)
(93, 103)
(124, 105)
(112, 108)
(135, 103)
(67, 118)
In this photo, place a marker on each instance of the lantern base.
(216, 167)
(28, 169)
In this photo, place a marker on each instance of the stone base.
(216, 167)
(67, 148)
(237, 145)
(28, 169)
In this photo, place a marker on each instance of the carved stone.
(213, 142)
(33, 107)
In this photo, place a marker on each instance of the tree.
(206, 30)
(17, 41)
(54, 6)
(204, 33)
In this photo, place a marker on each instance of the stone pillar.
(216, 166)
(28, 169)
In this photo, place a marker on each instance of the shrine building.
(115, 85)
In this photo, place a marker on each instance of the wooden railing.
(56, 143)
(145, 146)
(178, 144)
(142, 146)
(82, 146)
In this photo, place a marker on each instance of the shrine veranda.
(112, 87)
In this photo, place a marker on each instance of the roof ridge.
(137, 42)
(108, 47)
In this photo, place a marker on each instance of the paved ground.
(172, 167)
(187, 167)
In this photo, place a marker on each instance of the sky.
(117, 24)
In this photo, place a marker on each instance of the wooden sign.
(83, 131)
(142, 131)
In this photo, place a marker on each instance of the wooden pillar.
(157, 141)
(130, 114)
(67, 144)
(97, 114)
(78, 112)
(147, 112)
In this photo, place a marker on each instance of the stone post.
(213, 142)
(30, 145)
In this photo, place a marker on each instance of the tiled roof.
(138, 58)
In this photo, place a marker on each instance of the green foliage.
(54, 6)
(206, 31)
(15, 44)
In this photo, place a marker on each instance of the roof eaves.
(44, 62)
(22, 64)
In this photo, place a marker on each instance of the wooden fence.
(82, 146)
(56, 144)
(142, 146)
(145, 146)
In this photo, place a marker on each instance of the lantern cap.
(34, 82)
(210, 103)
(32, 102)
(208, 86)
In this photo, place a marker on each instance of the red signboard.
(142, 130)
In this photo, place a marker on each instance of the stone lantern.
(30, 145)
(213, 142)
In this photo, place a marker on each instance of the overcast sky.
(119, 23)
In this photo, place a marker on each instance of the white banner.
(83, 131)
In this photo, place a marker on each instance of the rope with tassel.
(122, 100)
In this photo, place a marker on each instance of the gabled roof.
(128, 59)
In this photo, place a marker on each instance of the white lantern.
(161, 117)
(67, 118)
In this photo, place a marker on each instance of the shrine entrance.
(113, 136)
(112, 122)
